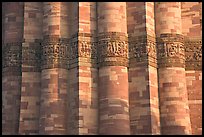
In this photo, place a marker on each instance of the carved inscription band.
(87, 49)
(170, 51)
(142, 49)
(82, 48)
(112, 49)
(193, 54)
(31, 55)
(54, 53)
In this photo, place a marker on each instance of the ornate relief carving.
(142, 49)
(84, 49)
(55, 53)
(82, 45)
(112, 50)
(151, 49)
(31, 55)
(193, 54)
(12, 53)
(87, 49)
(170, 51)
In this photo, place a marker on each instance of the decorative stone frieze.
(54, 53)
(193, 54)
(31, 55)
(11, 55)
(82, 45)
(170, 50)
(112, 49)
(87, 49)
(142, 49)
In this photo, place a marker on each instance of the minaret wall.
(88, 68)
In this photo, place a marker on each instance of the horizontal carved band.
(54, 53)
(142, 49)
(193, 54)
(113, 50)
(170, 51)
(11, 55)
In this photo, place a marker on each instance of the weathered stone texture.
(168, 17)
(191, 13)
(88, 100)
(107, 12)
(173, 97)
(194, 87)
(143, 97)
(140, 16)
(113, 100)
(53, 104)
(30, 103)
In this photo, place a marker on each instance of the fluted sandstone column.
(11, 73)
(30, 88)
(142, 72)
(174, 109)
(87, 69)
(113, 77)
(54, 74)
(83, 70)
